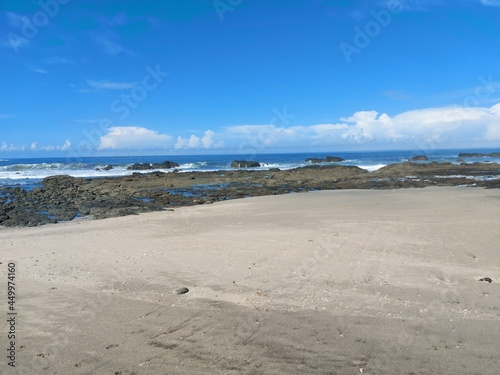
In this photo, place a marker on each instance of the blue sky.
(196, 77)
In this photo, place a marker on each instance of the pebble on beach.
(487, 279)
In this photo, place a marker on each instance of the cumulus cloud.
(11, 147)
(66, 146)
(134, 138)
(406, 130)
(207, 141)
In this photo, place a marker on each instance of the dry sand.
(331, 282)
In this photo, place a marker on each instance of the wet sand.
(328, 282)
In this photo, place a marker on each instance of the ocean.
(28, 173)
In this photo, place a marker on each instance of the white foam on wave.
(194, 165)
(372, 168)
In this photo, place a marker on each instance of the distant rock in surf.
(244, 164)
(147, 166)
(419, 158)
(328, 159)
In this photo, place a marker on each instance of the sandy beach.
(327, 282)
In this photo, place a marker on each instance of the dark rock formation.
(165, 165)
(244, 164)
(334, 159)
(139, 167)
(419, 158)
(328, 159)
(487, 279)
(108, 167)
(147, 166)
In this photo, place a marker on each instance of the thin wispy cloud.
(481, 93)
(85, 121)
(14, 19)
(396, 95)
(493, 3)
(36, 69)
(108, 85)
(57, 60)
(412, 5)
(119, 19)
(13, 42)
(107, 45)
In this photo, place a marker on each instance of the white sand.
(337, 282)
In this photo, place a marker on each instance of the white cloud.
(439, 126)
(107, 85)
(207, 141)
(133, 137)
(11, 147)
(66, 146)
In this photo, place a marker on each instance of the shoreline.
(64, 198)
(378, 281)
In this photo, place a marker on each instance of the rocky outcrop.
(148, 166)
(328, 159)
(419, 158)
(244, 164)
(63, 198)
